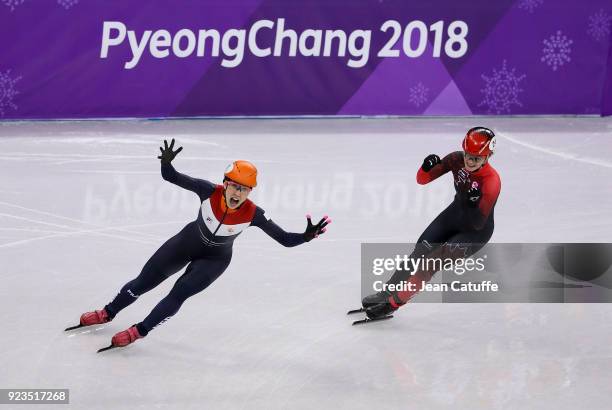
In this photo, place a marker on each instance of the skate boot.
(126, 337)
(96, 317)
(380, 310)
(380, 304)
(375, 299)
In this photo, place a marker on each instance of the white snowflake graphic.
(67, 3)
(7, 91)
(12, 3)
(599, 25)
(419, 95)
(501, 90)
(530, 5)
(557, 50)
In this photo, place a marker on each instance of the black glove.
(473, 195)
(312, 231)
(167, 155)
(430, 161)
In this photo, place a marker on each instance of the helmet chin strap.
(225, 197)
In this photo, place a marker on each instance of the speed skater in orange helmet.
(204, 245)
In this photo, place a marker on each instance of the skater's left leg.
(198, 276)
(166, 261)
(459, 246)
(440, 230)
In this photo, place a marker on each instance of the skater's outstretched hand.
(167, 154)
(313, 231)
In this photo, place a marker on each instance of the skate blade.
(104, 349)
(368, 320)
(74, 327)
(350, 312)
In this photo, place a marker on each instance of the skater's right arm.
(203, 188)
(433, 167)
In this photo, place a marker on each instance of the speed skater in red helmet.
(204, 245)
(459, 231)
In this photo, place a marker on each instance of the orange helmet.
(479, 141)
(242, 172)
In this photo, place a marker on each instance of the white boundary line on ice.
(21, 218)
(99, 231)
(560, 154)
(37, 211)
(29, 230)
(63, 235)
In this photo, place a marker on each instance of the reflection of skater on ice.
(204, 245)
(463, 228)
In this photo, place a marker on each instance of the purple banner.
(164, 58)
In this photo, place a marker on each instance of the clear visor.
(234, 186)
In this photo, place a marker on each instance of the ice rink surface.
(83, 206)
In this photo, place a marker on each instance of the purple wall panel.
(477, 57)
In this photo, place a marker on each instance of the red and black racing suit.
(462, 228)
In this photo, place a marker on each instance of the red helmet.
(479, 141)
